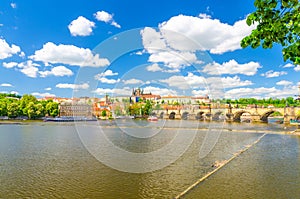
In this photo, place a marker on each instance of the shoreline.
(39, 121)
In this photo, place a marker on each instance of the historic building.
(138, 94)
(102, 108)
(201, 100)
(67, 109)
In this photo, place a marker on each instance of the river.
(66, 160)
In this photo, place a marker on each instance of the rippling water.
(48, 160)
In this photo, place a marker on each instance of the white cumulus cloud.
(81, 27)
(126, 91)
(68, 54)
(173, 59)
(154, 68)
(73, 86)
(160, 51)
(200, 92)
(192, 81)
(29, 68)
(271, 73)
(133, 81)
(177, 40)
(9, 64)
(191, 33)
(229, 82)
(297, 68)
(7, 50)
(59, 71)
(106, 74)
(6, 85)
(107, 18)
(284, 83)
(160, 91)
(108, 81)
(210, 34)
(13, 5)
(102, 77)
(288, 65)
(38, 94)
(231, 67)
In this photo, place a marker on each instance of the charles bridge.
(256, 114)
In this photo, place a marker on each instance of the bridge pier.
(192, 116)
(229, 117)
(177, 116)
(255, 118)
(289, 113)
(208, 117)
(287, 118)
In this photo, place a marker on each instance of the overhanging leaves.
(278, 21)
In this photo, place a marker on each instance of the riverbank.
(19, 122)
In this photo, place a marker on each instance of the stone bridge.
(228, 114)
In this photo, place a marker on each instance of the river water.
(64, 160)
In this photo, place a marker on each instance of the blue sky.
(79, 48)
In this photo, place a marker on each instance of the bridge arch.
(237, 115)
(161, 115)
(264, 116)
(153, 113)
(217, 115)
(172, 115)
(200, 115)
(185, 115)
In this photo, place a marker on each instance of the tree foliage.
(141, 108)
(12, 110)
(103, 113)
(13, 106)
(52, 109)
(279, 103)
(278, 21)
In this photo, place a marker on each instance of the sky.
(96, 47)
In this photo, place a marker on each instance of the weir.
(219, 166)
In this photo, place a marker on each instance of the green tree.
(29, 111)
(118, 110)
(135, 109)
(278, 21)
(276, 114)
(147, 108)
(103, 113)
(52, 109)
(39, 110)
(12, 110)
(24, 101)
(290, 100)
(3, 107)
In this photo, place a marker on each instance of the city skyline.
(66, 49)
